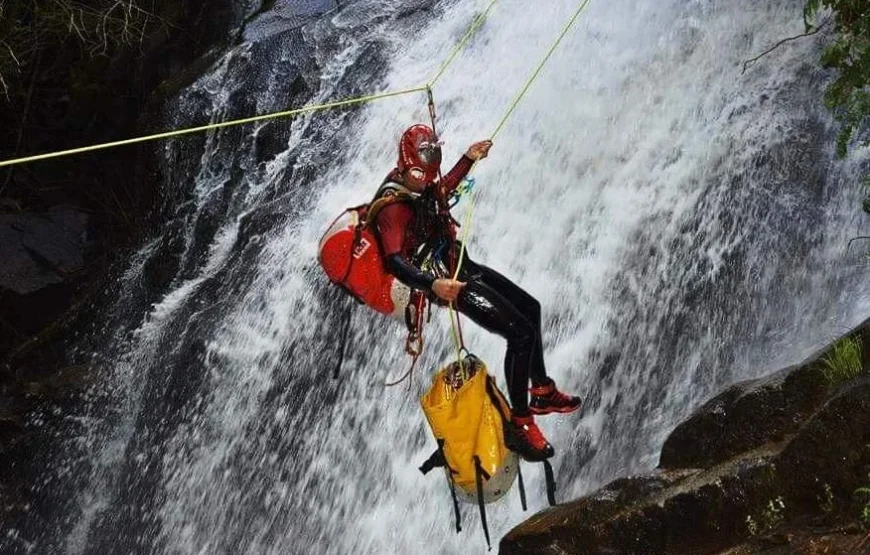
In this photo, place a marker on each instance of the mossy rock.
(743, 417)
(753, 412)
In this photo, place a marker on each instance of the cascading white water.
(682, 223)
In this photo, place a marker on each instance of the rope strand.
(471, 29)
(541, 65)
(476, 24)
(466, 226)
(218, 125)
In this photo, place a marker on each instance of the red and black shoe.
(525, 438)
(547, 399)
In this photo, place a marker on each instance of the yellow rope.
(534, 76)
(478, 21)
(186, 131)
(466, 225)
(454, 326)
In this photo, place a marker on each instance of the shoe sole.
(567, 410)
(531, 456)
(515, 445)
(535, 458)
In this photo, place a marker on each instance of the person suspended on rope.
(420, 248)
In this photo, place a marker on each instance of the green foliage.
(849, 54)
(771, 516)
(843, 362)
(826, 502)
(864, 512)
(751, 526)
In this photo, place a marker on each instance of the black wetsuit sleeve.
(408, 274)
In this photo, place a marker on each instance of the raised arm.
(451, 180)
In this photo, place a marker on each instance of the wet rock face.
(64, 221)
(675, 511)
(768, 463)
(276, 17)
(831, 448)
(745, 416)
(55, 262)
(42, 263)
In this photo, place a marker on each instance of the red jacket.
(407, 230)
(397, 222)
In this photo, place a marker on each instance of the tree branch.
(780, 43)
(859, 238)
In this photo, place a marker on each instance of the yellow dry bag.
(469, 417)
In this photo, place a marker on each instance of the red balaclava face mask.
(419, 155)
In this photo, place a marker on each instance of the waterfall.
(682, 222)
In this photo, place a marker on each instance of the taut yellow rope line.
(218, 125)
(468, 215)
(478, 21)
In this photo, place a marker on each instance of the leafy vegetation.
(849, 54)
(826, 502)
(770, 517)
(843, 362)
(864, 514)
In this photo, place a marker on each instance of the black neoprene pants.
(500, 306)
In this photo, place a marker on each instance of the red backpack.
(351, 256)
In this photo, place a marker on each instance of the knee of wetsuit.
(535, 307)
(522, 333)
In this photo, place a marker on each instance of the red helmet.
(419, 154)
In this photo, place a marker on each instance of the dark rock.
(41, 249)
(805, 388)
(58, 383)
(685, 511)
(162, 265)
(277, 17)
(105, 98)
(830, 448)
(705, 511)
(747, 415)
(11, 417)
(785, 438)
(42, 267)
(807, 540)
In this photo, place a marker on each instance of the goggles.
(430, 152)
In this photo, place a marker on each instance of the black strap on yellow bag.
(470, 418)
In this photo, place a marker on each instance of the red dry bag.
(350, 254)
